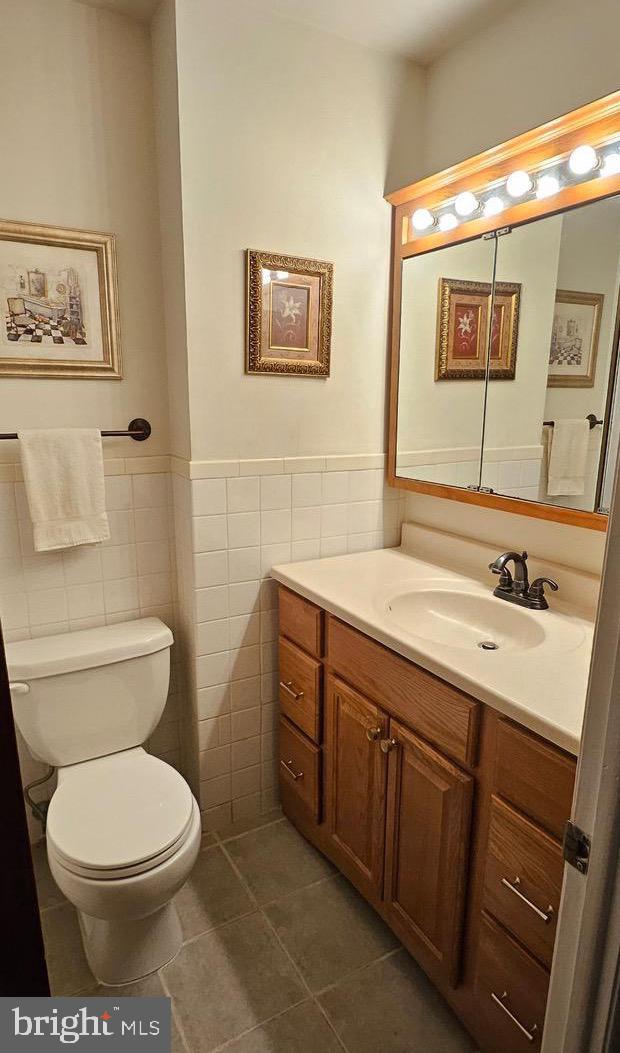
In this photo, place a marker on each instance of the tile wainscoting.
(130, 576)
(233, 521)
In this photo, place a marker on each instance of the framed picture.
(463, 329)
(574, 339)
(289, 314)
(59, 301)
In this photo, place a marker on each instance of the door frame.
(583, 1007)
(23, 970)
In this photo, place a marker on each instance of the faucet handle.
(505, 577)
(537, 591)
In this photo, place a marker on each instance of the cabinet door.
(355, 785)
(428, 831)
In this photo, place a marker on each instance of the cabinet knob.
(387, 745)
(372, 734)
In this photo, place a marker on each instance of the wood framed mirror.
(505, 324)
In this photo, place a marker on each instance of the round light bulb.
(547, 186)
(518, 183)
(611, 164)
(583, 159)
(422, 219)
(466, 203)
(448, 221)
(493, 206)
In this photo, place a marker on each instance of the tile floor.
(281, 955)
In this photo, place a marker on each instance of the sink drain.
(488, 645)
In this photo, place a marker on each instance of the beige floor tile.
(299, 1030)
(212, 895)
(243, 826)
(277, 860)
(329, 931)
(230, 980)
(391, 1006)
(66, 962)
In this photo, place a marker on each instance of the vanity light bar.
(582, 164)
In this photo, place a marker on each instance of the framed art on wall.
(574, 339)
(462, 329)
(289, 314)
(58, 291)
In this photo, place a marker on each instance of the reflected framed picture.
(574, 339)
(289, 305)
(59, 299)
(463, 311)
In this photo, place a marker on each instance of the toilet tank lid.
(86, 648)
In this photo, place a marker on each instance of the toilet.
(123, 827)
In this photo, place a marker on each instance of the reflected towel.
(63, 473)
(567, 453)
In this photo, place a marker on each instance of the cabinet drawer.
(535, 776)
(523, 879)
(299, 767)
(301, 621)
(429, 706)
(300, 689)
(511, 992)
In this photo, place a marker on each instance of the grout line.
(173, 1010)
(277, 938)
(250, 1030)
(304, 888)
(236, 837)
(359, 969)
(216, 928)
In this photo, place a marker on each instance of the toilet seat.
(118, 816)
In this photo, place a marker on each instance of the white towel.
(63, 473)
(567, 450)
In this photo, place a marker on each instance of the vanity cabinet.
(446, 816)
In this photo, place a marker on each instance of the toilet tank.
(90, 693)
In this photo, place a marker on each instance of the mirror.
(499, 337)
(538, 440)
(439, 432)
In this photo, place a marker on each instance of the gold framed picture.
(289, 316)
(59, 297)
(462, 329)
(574, 339)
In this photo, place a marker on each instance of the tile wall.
(234, 521)
(130, 576)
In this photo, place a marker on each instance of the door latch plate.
(576, 847)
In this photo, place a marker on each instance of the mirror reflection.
(507, 361)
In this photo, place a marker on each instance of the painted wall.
(77, 127)
(288, 142)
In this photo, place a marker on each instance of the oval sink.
(468, 619)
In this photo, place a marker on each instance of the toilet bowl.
(123, 828)
(123, 833)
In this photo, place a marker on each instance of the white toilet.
(123, 827)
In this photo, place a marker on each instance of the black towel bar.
(592, 420)
(138, 429)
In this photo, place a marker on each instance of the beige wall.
(288, 140)
(540, 60)
(76, 125)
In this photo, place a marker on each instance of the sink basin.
(470, 619)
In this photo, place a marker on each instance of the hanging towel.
(63, 473)
(567, 452)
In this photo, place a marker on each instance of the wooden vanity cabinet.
(446, 816)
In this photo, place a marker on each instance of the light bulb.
(466, 203)
(448, 221)
(610, 165)
(583, 159)
(493, 206)
(422, 219)
(547, 186)
(518, 183)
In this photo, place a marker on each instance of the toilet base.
(122, 951)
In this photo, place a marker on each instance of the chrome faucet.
(517, 589)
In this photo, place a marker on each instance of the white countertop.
(542, 688)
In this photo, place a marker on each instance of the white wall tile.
(243, 529)
(333, 546)
(82, 565)
(245, 693)
(117, 492)
(306, 490)
(151, 491)
(306, 523)
(275, 526)
(151, 524)
(211, 568)
(209, 533)
(334, 520)
(212, 669)
(118, 561)
(213, 701)
(243, 564)
(275, 492)
(335, 488)
(208, 497)
(243, 597)
(153, 557)
(47, 605)
(85, 601)
(243, 494)
(212, 637)
(245, 723)
(211, 603)
(246, 753)
(271, 555)
(120, 595)
(302, 550)
(244, 630)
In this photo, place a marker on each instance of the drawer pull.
(287, 685)
(288, 767)
(387, 745)
(531, 1034)
(372, 734)
(512, 885)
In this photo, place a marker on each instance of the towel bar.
(591, 418)
(138, 429)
